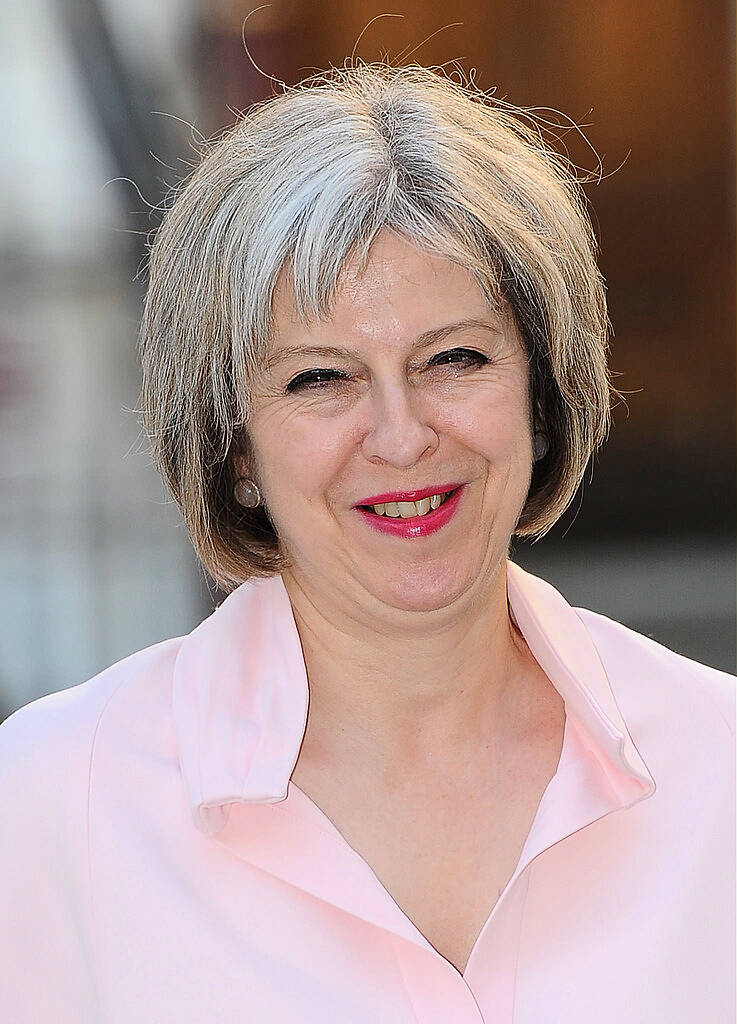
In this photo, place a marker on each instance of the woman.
(393, 777)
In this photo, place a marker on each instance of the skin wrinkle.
(282, 353)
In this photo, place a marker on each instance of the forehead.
(400, 293)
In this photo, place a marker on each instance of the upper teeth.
(407, 509)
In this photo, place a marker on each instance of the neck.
(389, 693)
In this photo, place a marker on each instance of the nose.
(398, 433)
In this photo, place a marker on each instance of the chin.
(423, 588)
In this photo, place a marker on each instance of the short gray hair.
(303, 182)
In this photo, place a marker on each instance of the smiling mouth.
(409, 509)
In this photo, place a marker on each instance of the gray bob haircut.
(304, 182)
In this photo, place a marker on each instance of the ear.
(539, 417)
(239, 456)
(240, 464)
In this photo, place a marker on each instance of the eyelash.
(310, 379)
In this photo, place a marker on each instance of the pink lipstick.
(415, 526)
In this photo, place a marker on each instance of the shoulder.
(46, 904)
(647, 676)
(46, 746)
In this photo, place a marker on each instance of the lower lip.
(417, 526)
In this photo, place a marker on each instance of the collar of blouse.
(240, 696)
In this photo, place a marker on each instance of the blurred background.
(105, 101)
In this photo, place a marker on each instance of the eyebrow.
(426, 338)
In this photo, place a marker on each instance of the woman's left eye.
(459, 356)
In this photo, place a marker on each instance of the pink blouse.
(158, 865)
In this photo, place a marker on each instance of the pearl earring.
(540, 446)
(246, 492)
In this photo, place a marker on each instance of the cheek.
(496, 429)
(299, 457)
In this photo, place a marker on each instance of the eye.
(459, 357)
(314, 379)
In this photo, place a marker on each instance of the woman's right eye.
(314, 379)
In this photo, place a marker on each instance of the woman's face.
(412, 384)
